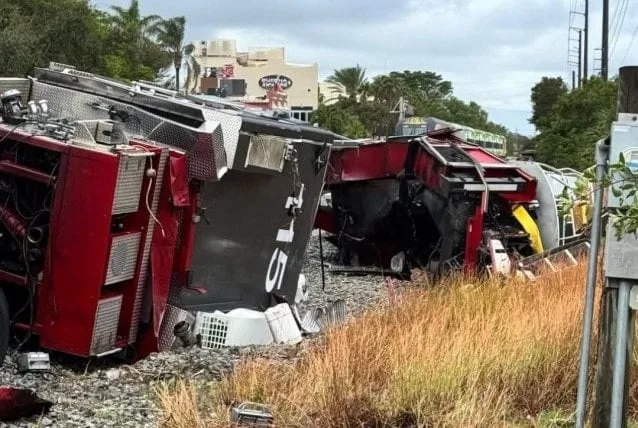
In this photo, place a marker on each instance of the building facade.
(254, 75)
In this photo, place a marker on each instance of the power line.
(630, 44)
(619, 27)
(615, 15)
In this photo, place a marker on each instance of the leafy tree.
(387, 89)
(17, 42)
(115, 43)
(423, 85)
(350, 81)
(131, 53)
(578, 119)
(469, 114)
(34, 32)
(427, 93)
(339, 119)
(545, 95)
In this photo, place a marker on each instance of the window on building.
(301, 115)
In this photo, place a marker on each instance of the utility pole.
(575, 54)
(573, 79)
(597, 60)
(586, 50)
(616, 326)
(580, 57)
(604, 65)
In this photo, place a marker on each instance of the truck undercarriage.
(440, 204)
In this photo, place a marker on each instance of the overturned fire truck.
(440, 203)
(125, 204)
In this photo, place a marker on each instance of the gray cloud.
(492, 50)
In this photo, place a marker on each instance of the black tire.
(4, 326)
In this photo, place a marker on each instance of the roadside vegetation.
(464, 353)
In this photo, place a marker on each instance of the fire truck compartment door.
(237, 256)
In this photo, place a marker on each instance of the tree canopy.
(545, 95)
(365, 107)
(118, 42)
(569, 129)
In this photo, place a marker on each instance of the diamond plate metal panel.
(146, 254)
(106, 322)
(123, 258)
(205, 145)
(128, 188)
(230, 126)
(22, 85)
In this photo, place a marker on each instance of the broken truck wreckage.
(128, 208)
(125, 206)
(440, 204)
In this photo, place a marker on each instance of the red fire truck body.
(123, 206)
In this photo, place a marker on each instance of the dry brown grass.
(463, 354)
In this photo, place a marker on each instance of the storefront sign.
(268, 82)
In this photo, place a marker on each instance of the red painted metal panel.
(482, 156)
(183, 258)
(78, 250)
(473, 237)
(179, 180)
(366, 162)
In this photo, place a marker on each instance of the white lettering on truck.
(279, 258)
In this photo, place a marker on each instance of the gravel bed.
(358, 291)
(107, 393)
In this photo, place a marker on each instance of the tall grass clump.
(465, 352)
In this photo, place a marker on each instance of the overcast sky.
(493, 51)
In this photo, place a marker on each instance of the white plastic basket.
(239, 327)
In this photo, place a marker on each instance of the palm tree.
(132, 30)
(131, 23)
(170, 35)
(351, 80)
(387, 89)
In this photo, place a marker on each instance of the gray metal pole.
(620, 360)
(586, 50)
(604, 61)
(602, 156)
(580, 58)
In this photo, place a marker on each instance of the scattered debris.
(18, 403)
(252, 414)
(183, 331)
(318, 319)
(98, 398)
(33, 362)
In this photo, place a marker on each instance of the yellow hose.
(530, 226)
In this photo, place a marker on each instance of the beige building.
(248, 76)
(330, 92)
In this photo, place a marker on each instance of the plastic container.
(239, 327)
(282, 324)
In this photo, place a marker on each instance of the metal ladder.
(554, 259)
